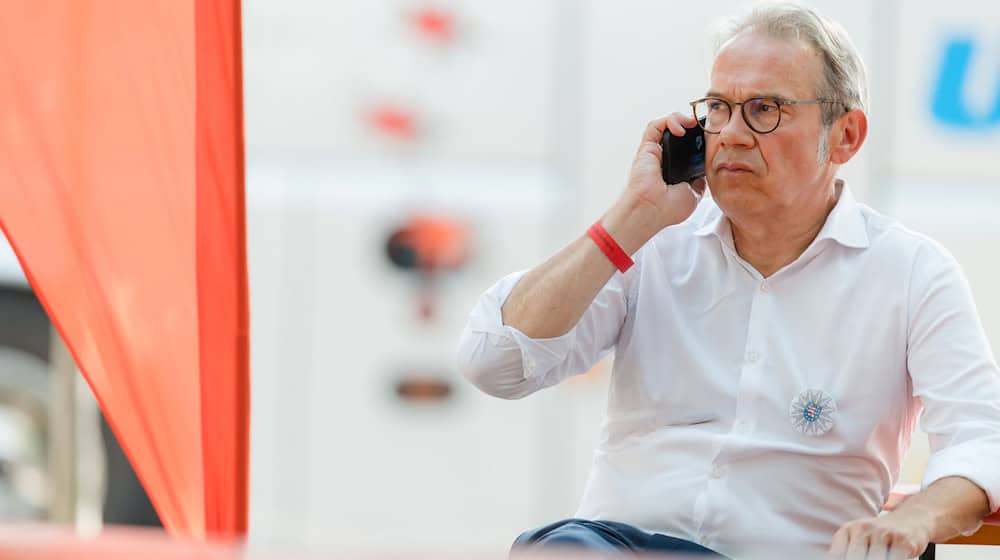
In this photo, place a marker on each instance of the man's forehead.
(755, 65)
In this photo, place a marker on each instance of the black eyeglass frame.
(777, 101)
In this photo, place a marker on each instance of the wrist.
(920, 519)
(632, 223)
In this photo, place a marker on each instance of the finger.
(650, 150)
(676, 123)
(857, 548)
(686, 119)
(654, 130)
(878, 549)
(838, 548)
(898, 553)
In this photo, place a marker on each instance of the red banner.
(121, 190)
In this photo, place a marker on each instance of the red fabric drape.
(222, 274)
(121, 190)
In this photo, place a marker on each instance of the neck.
(771, 242)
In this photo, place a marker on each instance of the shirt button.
(719, 471)
(753, 356)
(742, 427)
(765, 287)
(703, 541)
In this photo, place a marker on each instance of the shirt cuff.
(968, 461)
(539, 356)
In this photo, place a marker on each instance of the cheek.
(803, 140)
(711, 151)
(789, 156)
(712, 146)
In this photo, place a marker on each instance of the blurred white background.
(518, 121)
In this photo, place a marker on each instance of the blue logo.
(949, 106)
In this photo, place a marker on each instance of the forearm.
(949, 507)
(550, 299)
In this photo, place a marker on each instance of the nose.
(736, 133)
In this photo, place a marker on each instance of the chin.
(734, 196)
(728, 184)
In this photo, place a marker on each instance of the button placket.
(753, 360)
(760, 311)
(741, 427)
(713, 500)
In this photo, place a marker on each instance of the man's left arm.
(949, 507)
(954, 374)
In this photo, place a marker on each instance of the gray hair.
(844, 77)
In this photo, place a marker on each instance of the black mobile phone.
(683, 156)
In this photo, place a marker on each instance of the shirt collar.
(844, 224)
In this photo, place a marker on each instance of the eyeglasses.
(762, 114)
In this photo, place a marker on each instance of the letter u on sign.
(949, 104)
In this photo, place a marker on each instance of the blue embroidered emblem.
(812, 412)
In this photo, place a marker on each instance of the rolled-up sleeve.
(954, 374)
(504, 362)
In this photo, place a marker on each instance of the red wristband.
(609, 247)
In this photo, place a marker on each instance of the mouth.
(733, 167)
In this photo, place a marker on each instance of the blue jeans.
(607, 537)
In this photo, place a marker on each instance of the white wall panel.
(313, 69)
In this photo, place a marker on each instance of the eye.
(767, 106)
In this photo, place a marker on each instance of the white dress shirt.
(714, 431)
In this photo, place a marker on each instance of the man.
(774, 342)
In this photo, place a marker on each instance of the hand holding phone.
(653, 204)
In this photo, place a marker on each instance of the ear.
(847, 135)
